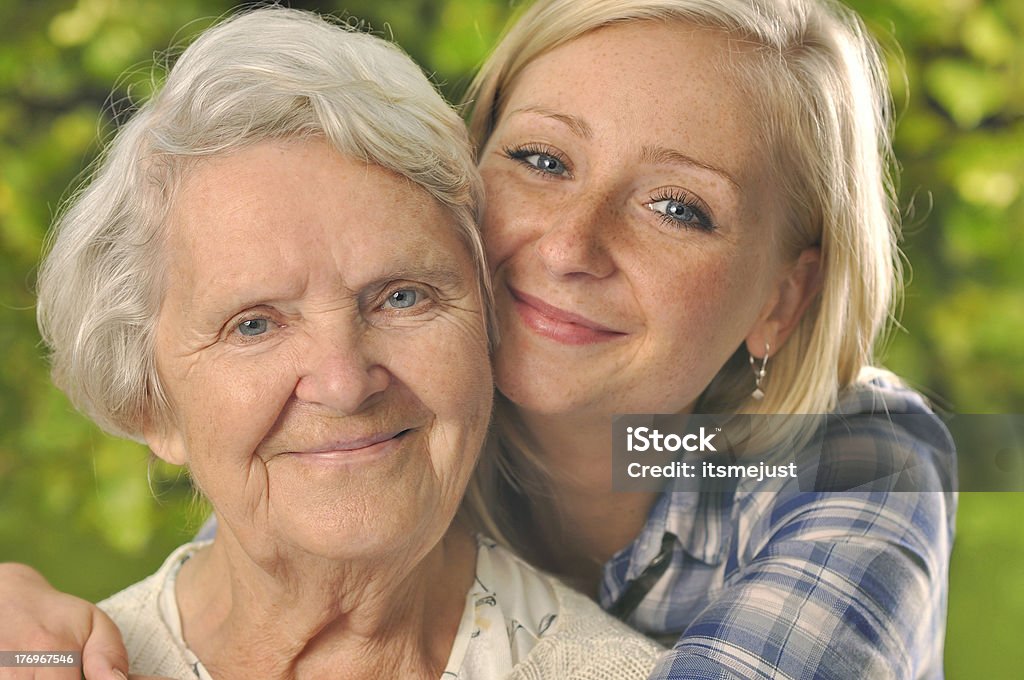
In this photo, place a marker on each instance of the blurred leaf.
(987, 36)
(968, 92)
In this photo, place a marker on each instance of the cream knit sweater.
(542, 630)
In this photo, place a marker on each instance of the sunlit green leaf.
(967, 91)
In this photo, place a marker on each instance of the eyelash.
(425, 296)
(521, 153)
(700, 209)
(236, 324)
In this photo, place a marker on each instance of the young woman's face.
(630, 223)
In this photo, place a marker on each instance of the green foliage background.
(80, 505)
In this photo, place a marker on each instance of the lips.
(351, 449)
(354, 444)
(558, 324)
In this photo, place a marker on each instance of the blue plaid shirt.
(791, 584)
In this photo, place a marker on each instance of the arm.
(844, 585)
(34, 616)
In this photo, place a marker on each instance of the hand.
(35, 617)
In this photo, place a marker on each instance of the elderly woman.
(681, 191)
(275, 279)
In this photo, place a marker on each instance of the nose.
(578, 239)
(340, 373)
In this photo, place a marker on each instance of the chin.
(358, 542)
(546, 399)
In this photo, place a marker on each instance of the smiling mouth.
(558, 324)
(355, 449)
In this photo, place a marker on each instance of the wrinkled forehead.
(301, 211)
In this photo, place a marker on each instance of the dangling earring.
(759, 373)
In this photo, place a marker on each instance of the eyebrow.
(578, 126)
(648, 154)
(660, 154)
(442, 276)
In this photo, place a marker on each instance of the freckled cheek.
(495, 241)
(505, 224)
(691, 306)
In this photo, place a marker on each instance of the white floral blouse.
(517, 624)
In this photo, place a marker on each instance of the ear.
(165, 441)
(800, 284)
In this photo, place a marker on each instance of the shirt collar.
(698, 520)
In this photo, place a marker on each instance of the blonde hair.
(272, 73)
(817, 78)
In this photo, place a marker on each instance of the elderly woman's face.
(630, 223)
(322, 347)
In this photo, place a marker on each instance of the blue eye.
(680, 212)
(674, 209)
(403, 299)
(251, 327)
(539, 160)
(546, 163)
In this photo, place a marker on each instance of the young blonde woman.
(679, 191)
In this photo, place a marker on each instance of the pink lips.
(354, 449)
(558, 324)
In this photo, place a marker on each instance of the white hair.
(271, 73)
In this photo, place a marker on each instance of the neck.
(593, 522)
(307, 618)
